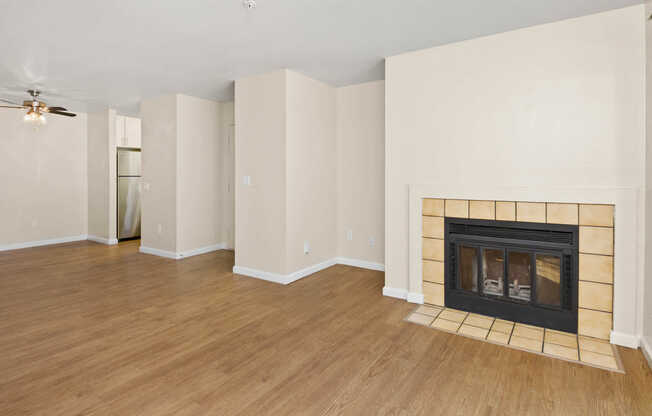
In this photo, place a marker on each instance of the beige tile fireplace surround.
(596, 249)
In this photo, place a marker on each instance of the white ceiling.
(92, 53)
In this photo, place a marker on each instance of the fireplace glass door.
(493, 271)
(522, 272)
(519, 272)
(548, 279)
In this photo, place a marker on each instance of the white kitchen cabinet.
(127, 130)
(132, 131)
(120, 133)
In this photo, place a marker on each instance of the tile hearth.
(561, 345)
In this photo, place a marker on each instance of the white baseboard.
(395, 293)
(300, 274)
(181, 254)
(259, 274)
(28, 244)
(283, 279)
(360, 263)
(415, 298)
(160, 253)
(646, 347)
(293, 277)
(624, 340)
(102, 240)
(202, 250)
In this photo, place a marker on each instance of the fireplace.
(519, 271)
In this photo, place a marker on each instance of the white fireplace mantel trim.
(628, 252)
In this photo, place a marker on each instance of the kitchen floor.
(89, 329)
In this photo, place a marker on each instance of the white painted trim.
(160, 253)
(624, 340)
(415, 298)
(102, 240)
(646, 348)
(283, 279)
(28, 244)
(360, 263)
(395, 293)
(259, 274)
(182, 254)
(201, 250)
(300, 274)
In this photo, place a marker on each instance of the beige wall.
(98, 174)
(102, 186)
(558, 105)
(315, 157)
(260, 129)
(227, 174)
(361, 171)
(198, 169)
(43, 177)
(647, 303)
(311, 194)
(159, 164)
(182, 166)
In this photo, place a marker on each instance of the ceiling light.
(34, 116)
(249, 4)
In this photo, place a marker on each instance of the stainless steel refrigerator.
(128, 193)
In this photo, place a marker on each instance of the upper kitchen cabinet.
(127, 131)
(132, 131)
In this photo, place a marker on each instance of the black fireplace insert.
(518, 271)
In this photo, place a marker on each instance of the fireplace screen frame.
(540, 238)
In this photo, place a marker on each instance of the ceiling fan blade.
(50, 109)
(63, 113)
(11, 106)
(9, 101)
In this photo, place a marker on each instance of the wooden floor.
(87, 329)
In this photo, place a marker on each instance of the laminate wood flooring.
(88, 329)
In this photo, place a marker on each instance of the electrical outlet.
(306, 247)
(349, 235)
(160, 229)
(246, 180)
(372, 242)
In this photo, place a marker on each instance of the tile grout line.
(595, 310)
(511, 333)
(584, 280)
(595, 226)
(595, 254)
(492, 325)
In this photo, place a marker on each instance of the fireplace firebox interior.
(518, 271)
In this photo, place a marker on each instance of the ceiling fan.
(35, 108)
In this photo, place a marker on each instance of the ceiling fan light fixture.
(34, 116)
(36, 109)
